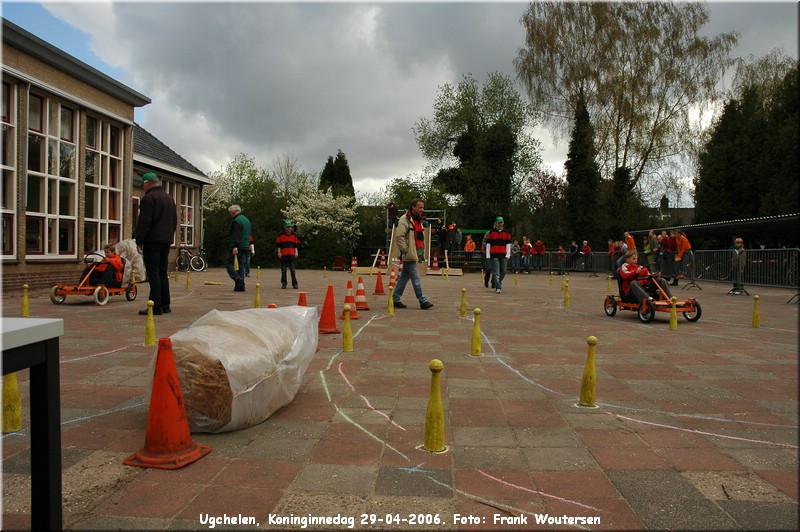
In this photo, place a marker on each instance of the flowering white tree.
(322, 218)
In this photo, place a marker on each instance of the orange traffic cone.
(353, 264)
(379, 286)
(349, 299)
(327, 321)
(168, 442)
(392, 279)
(302, 300)
(435, 262)
(361, 296)
(272, 305)
(383, 261)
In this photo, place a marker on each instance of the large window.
(52, 189)
(103, 196)
(8, 167)
(186, 217)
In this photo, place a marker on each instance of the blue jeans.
(515, 262)
(244, 264)
(291, 266)
(409, 272)
(498, 271)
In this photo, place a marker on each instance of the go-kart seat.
(625, 298)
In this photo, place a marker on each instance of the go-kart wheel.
(55, 297)
(101, 295)
(130, 292)
(610, 306)
(694, 316)
(646, 312)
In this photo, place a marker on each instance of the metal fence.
(763, 267)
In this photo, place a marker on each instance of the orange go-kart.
(100, 292)
(646, 310)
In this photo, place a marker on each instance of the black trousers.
(156, 259)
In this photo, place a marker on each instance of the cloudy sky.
(307, 79)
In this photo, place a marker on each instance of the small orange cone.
(301, 302)
(392, 279)
(435, 262)
(383, 261)
(168, 442)
(361, 296)
(354, 264)
(379, 286)
(272, 305)
(349, 299)
(327, 320)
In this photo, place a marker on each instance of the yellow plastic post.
(566, 294)
(475, 348)
(390, 308)
(354, 274)
(463, 311)
(212, 283)
(551, 278)
(434, 417)
(347, 332)
(588, 383)
(150, 327)
(756, 315)
(258, 273)
(673, 314)
(324, 272)
(608, 285)
(133, 278)
(257, 301)
(563, 281)
(176, 275)
(25, 312)
(12, 405)
(188, 280)
(235, 263)
(516, 278)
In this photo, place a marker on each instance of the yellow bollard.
(212, 283)
(150, 327)
(235, 263)
(563, 280)
(258, 273)
(25, 312)
(475, 348)
(12, 404)
(551, 278)
(176, 275)
(188, 280)
(434, 418)
(390, 308)
(324, 272)
(463, 311)
(566, 295)
(516, 278)
(347, 332)
(756, 315)
(257, 301)
(354, 274)
(588, 383)
(483, 274)
(446, 274)
(608, 285)
(673, 314)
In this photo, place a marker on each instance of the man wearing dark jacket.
(155, 233)
(238, 247)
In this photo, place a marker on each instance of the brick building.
(72, 160)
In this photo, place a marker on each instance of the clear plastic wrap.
(236, 368)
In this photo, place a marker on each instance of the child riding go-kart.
(646, 294)
(101, 279)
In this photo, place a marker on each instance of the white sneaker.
(498, 290)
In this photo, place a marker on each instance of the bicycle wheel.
(197, 263)
(182, 263)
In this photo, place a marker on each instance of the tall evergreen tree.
(583, 176)
(336, 176)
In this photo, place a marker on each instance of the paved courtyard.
(695, 428)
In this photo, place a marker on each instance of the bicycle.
(186, 260)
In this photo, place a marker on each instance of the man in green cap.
(238, 247)
(155, 232)
(498, 251)
(288, 245)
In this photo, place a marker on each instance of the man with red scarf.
(498, 251)
(410, 238)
